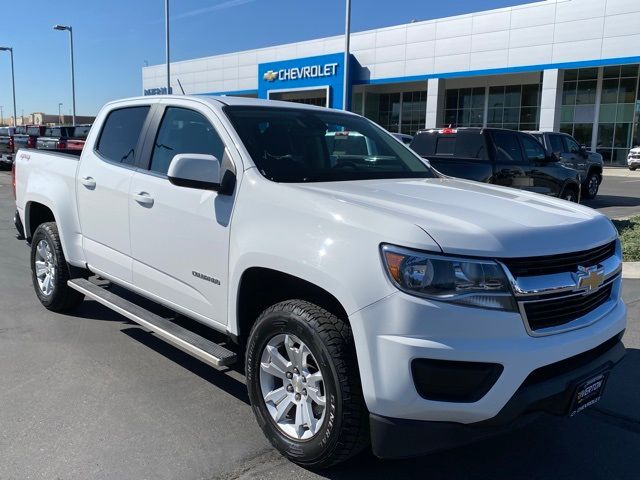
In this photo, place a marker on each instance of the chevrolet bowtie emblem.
(270, 76)
(589, 278)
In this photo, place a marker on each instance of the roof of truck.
(235, 101)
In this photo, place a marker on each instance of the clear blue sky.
(113, 38)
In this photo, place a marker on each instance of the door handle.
(88, 182)
(143, 198)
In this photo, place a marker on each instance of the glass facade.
(414, 112)
(398, 112)
(514, 106)
(464, 107)
(578, 110)
(617, 109)
(617, 112)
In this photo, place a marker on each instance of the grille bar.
(559, 311)
(569, 262)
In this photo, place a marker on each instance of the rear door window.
(120, 133)
(533, 149)
(570, 145)
(507, 147)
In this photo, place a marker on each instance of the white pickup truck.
(374, 301)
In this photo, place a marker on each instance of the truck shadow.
(603, 442)
(602, 201)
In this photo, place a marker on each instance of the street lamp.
(13, 83)
(167, 52)
(347, 55)
(60, 119)
(73, 79)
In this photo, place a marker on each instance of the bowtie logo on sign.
(301, 73)
(270, 76)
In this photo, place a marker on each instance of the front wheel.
(304, 384)
(50, 270)
(570, 194)
(591, 185)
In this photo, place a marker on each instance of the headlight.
(465, 281)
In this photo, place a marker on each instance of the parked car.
(633, 159)
(502, 157)
(63, 138)
(572, 154)
(374, 301)
(6, 146)
(27, 136)
(403, 137)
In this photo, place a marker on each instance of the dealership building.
(563, 65)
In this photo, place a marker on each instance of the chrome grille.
(566, 262)
(554, 312)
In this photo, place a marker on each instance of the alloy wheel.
(292, 387)
(45, 267)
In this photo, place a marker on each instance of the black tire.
(61, 298)
(570, 194)
(345, 431)
(633, 169)
(591, 185)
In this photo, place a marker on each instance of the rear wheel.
(591, 185)
(50, 270)
(633, 169)
(304, 384)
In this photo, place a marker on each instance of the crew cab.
(375, 301)
(6, 146)
(63, 138)
(502, 157)
(588, 164)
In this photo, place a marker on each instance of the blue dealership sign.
(322, 71)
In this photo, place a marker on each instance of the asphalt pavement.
(619, 195)
(90, 395)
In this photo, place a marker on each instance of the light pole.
(60, 119)
(347, 56)
(73, 78)
(167, 49)
(13, 83)
(1, 115)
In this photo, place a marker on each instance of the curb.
(631, 270)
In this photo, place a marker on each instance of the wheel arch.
(35, 214)
(261, 287)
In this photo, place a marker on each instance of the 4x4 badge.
(589, 278)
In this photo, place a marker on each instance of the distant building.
(39, 118)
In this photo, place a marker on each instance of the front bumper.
(633, 161)
(549, 389)
(394, 331)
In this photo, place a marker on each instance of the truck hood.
(471, 218)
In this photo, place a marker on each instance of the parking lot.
(91, 395)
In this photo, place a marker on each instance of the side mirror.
(553, 157)
(584, 150)
(194, 170)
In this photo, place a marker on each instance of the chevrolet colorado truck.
(374, 301)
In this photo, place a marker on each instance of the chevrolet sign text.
(301, 73)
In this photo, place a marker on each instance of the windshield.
(300, 145)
